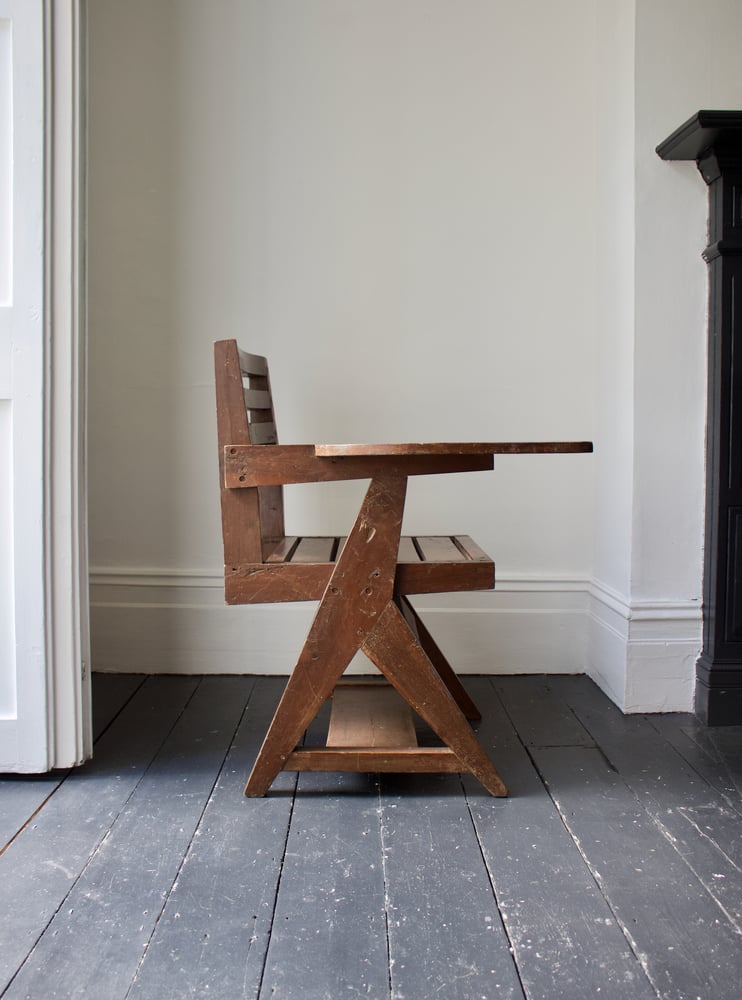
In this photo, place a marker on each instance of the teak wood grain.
(361, 581)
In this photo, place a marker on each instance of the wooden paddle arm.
(275, 465)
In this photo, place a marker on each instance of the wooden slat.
(455, 448)
(263, 432)
(257, 399)
(470, 549)
(370, 715)
(252, 364)
(314, 550)
(424, 759)
(284, 550)
(407, 551)
(439, 548)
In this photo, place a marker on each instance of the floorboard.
(22, 796)
(715, 754)
(213, 934)
(329, 930)
(612, 870)
(114, 905)
(565, 936)
(446, 935)
(690, 813)
(44, 862)
(675, 928)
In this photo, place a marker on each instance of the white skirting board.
(152, 621)
(643, 654)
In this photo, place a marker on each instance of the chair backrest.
(252, 518)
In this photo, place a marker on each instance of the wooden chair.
(362, 583)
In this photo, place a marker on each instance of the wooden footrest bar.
(371, 729)
(433, 760)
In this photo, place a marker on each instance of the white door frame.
(48, 721)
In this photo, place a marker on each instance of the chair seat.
(299, 568)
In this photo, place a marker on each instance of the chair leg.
(398, 655)
(436, 657)
(309, 686)
(358, 591)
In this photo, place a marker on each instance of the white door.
(44, 683)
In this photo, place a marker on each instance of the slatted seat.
(362, 583)
(426, 564)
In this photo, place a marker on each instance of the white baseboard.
(642, 655)
(152, 621)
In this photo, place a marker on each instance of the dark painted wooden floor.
(613, 871)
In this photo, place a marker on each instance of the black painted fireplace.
(714, 140)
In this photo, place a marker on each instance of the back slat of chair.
(263, 432)
(252, 519)
(251, 364)
(257, 399)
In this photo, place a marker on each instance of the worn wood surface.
(375, 759)
(455, 448)
(43, 864)
(610, 871)
(369, 715)
(361, 582)
(446, 936)
(115, 904)
(565, 937)
(217, 921)
(247, 466)
(299, 568)
(394, 650)
(361, 585)
(437, 659)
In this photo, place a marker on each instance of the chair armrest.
(277, 465)
(454, 448)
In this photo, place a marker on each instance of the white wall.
(394, 202)
(440, 221)
(645, 632)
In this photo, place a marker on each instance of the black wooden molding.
(714, 140)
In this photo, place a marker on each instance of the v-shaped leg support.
(402, 660)
(436, 657)
(359, 589)
(358, 611)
